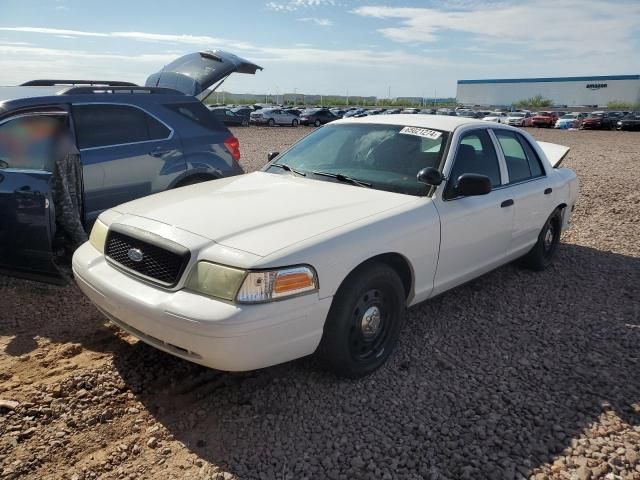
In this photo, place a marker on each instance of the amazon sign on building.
(570, 91)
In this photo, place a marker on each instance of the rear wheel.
(245, 122)
(271, 122)
(316, 123)
(294, 123)
(364, 322)
(543, 252)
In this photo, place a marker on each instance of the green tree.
(537, 101)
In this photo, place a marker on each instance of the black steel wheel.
(364, 321)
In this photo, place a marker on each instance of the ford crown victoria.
(323, 250)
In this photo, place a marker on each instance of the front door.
(27, 217)
(475, 231)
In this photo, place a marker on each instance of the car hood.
(195, 73)
(261, 212)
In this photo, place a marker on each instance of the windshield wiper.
(343, 178)
(287, 168)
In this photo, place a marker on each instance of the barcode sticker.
(421, 132)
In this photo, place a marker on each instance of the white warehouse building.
(569, 91)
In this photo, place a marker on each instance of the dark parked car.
(229, 117)
(600, 121)
(629, 122)
(317, 117)
(132, 141)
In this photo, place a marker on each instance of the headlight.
(276, 284)
(228, 283)
(98, 236)
(215, 280)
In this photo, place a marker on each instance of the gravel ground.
(516, 375)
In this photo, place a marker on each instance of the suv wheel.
(271, 122)
(245, 122)
(316, 123)
(364, 321)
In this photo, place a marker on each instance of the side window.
(475, 154)
(101, 125)
(27, 142)
(521, 164)
(534, 161)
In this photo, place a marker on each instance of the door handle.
(506, 203)
(547, 191)
(158, 152)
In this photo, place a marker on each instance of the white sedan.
(323, 250)
(498, 117)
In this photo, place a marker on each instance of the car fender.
(411, 231)
(208, 163)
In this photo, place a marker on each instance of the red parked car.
(545, 119)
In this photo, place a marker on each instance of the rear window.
(197, 113)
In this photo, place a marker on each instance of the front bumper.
(200, 329)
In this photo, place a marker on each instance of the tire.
(294, 123)
(271, 122)
(543, 252)
(245, 122)
(316, 123)
(364, 322)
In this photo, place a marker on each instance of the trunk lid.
(554, 152)
(195, 73)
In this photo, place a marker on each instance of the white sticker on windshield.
(421, 132)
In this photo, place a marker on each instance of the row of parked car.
(599, 120)
(246, 115)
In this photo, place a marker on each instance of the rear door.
(528, 186)
(126, 153)
(27, 217)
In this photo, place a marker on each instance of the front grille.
(161, 261)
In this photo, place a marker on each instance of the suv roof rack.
(123, 89)
(54, 83)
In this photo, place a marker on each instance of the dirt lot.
(516, 375)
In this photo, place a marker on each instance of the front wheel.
(271, 122)
(245, 122)
(543, 252)
(294, 123)
(316, 123)
(364, 321)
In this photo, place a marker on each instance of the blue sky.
(362, 47)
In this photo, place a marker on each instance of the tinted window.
(476, 154)
(105, 125)
(27, 142)
(197, 113)
(377, 154)
(522, 162)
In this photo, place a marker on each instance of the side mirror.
(430, 176)
(272, 155)
(471, 184)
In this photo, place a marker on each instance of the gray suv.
(132, 141)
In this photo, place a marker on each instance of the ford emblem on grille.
(135, 254)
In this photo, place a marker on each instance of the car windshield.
(568, 117)
(386, 156)
(516, 115)
(595, 115)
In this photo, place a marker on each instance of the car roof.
(439, 122)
